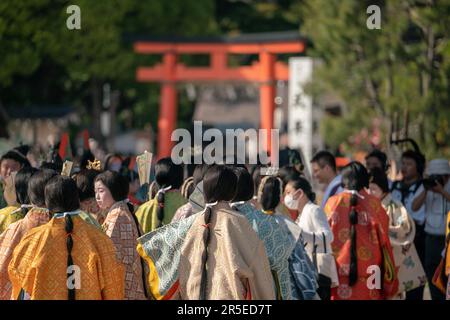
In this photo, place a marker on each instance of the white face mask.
(290, 202)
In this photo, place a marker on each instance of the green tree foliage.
(402, 66)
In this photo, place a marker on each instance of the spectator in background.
(405, 191)
(376, 159)
(434, 198)
(401, 234)
(323, 166)
(113, 162)
(129, 172)
(12, 161)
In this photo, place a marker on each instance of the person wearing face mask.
(314, 226)
(401, 234)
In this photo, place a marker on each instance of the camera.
(432, 181)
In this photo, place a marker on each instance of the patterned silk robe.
(374, 251)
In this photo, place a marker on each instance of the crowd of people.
(224, 231)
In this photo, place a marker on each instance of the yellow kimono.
(12, 236)
(146, 214)
(9, 215)
(39, 263)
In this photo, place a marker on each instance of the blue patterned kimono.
(286, 254)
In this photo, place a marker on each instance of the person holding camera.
(434, 194)
(405, 191)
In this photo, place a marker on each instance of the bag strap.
(314, 251)
(324, 242)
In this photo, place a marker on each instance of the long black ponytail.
(61, 195)
(353, 216)
(69, 245)
(206, 238)
(219, 184)
(160, 199)
(354, 177)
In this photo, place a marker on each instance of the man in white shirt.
(434, 196)
(323, 166)
(405, 191)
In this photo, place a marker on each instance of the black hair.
(418, 158)
(117, 184)
(130, 174)
(53, 160)
(219, 184)
(269, 195)
(379, 177)
(245, 186)
(199, 173)
(85, 158)
(354, 177)
(381, 156)
(85, 183)
(18, 154)
(61, 196)
(55, 166)
(36, 186)
(323, 158)
(256, 176)
(21, 184)
(167, 174)
(288, 173)
(69, 244)
(305, 186)
(290, 157)
(108, 159)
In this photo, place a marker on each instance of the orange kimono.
(10, 238)
(374, 252)
(39, 263)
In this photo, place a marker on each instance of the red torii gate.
(265, 71)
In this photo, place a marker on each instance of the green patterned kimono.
(146, 214)
(10, 215)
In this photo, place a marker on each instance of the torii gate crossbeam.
(266, 71)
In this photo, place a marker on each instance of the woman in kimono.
(12, 161)
(281, 246)
(222, 258)
(411, 274)
(66, 258)
(160, 210)
(361, 245)
(121, 225)
(86, 191)
(315, 231)
(16, 212)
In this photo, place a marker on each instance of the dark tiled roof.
(38, 112)
(280, 36)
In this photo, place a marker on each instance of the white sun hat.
(438, 167)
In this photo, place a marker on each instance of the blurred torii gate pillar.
(266, 71)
